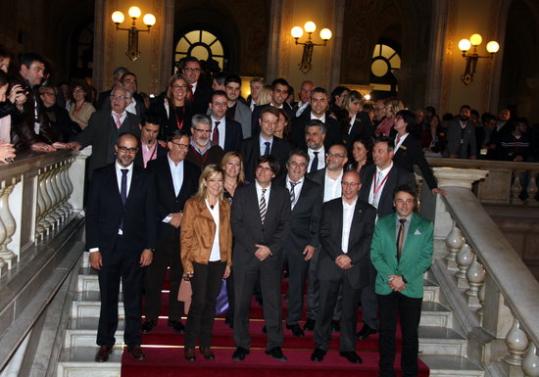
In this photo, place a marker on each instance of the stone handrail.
(507, 182)
(499, 293)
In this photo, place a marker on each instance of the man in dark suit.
(225, 131)
(104, 127)
(150, 149)
(279, 93)
(264, 143)
(199, 92)
(461, 142)
(379, 183)
(345, 236)
(302, 240)
(120, 235)
(319, 111)
(260, 215)
(175, 180)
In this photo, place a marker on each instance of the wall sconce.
(471, 58)
(308, 46)
(118, 17)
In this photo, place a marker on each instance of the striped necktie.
(263, 206)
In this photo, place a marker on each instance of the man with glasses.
(202, 151)
(120, 236)
(225, 131)
(199, 90)
(104, 127)
(175, 181)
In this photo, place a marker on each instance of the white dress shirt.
(259, 194)
(332, 188)
(176, 171)
(215, 254)
(401, 140)
(379, 179)
(321, 119)
(351, 123)
(301, 108)
(347, 217)
(132, 107)
(262, 141)
(297, 189)
(221, 128)
(321, 158)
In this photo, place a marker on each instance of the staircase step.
(79, 362)
(451, 366)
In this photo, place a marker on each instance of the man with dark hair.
(218, 82)
(225, 131)
(136, 103)
(319, 111)
(199, 90)
(150, 149)
(315, 135)
(202, 151)
(401, 252)
(120, 236)
(279, 94)
(175, 181)
(103, 98)
(461, 142)
(260, 215)
(264, 143)
(237, 110)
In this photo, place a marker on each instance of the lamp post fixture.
(134, 13)
(472, 57)
(308, 46)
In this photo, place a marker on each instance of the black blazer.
(250, 150)
(333, 131)
(105, 212)
(248, 229)
(305, 216)
(202, 97)
(410, 154)
(362, 129)
(167, 118)
(255, 125)
(397, 176)
(160, 151)
(359, 243)
(167, 201)
(233, 136)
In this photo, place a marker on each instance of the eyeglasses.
(127, 150)
(352, 184)
(180, 145)
(201, 130)
(337, 155)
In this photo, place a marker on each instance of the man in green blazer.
(401, 252)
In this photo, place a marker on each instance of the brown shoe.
(207, 353)
(136, 352)
(103, 353)
(189, 354)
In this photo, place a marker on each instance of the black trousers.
(408, 310)
(167, 254)
(205, 285)
(120, 263)
(268, 273)
(297, 273)
(329, 291)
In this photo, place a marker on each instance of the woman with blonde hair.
(206, 255)
(392, 107)
(264, 96)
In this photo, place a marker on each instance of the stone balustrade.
(507, 182)
(489, 287)
(39, 195)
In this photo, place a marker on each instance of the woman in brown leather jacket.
(206, 254)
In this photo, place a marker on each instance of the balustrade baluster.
(40, 207)
(530, 364)
(7, 219)
(516, 188)
(532, 188)
(454, 242)
(465, 258)
(517, 342)
(476, 277)
(3, 235)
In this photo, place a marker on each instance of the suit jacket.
(362, 129)
(410, 154)
(396, 177)
(161, 106)
(305, 216)
(333, 131)
(248, 229)
(198, 232)
(460, 143)
(243, 117)
(415, 259)
(105, 212)
(255, 125)
(167, 201)
(160, 153)
(250, 150)
(233, 134)
(102, 134)
(202, 97)
(331, 227)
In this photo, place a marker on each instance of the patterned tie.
(215, 135)
(262, 206)
(267, 149)
(314, 165)
(292, 193)
(117, 120)
(400, 238)
(190, 93)
(123, 187)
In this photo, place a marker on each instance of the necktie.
(190, 93)
(123, 187)
(262, 206)
(314, 165)
(400, 238)
(215, 135)
(397, 141)
(117, 120)
(292, 193)
(267, 149)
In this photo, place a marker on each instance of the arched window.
(385, 62)
(201, 44)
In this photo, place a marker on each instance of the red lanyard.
(378, 187)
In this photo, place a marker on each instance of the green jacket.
(416, 257)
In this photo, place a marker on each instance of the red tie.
(397, 141)
(215, 135)
(190, 93)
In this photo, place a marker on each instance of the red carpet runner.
(164, 355)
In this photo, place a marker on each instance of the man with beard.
(461, 142)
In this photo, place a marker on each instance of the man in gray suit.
(461, 142)
(237, 110)
(105, 126)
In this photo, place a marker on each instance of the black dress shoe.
(296, 330)
(136, 352)
(240, 353)
(177, 325)
(365, 331)
(352, 357)
(148, 325)
(276, 353)
(309, 325)
(189, 354)
(318, 354)
(336, 326)
(207, 353)
(103, 353)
